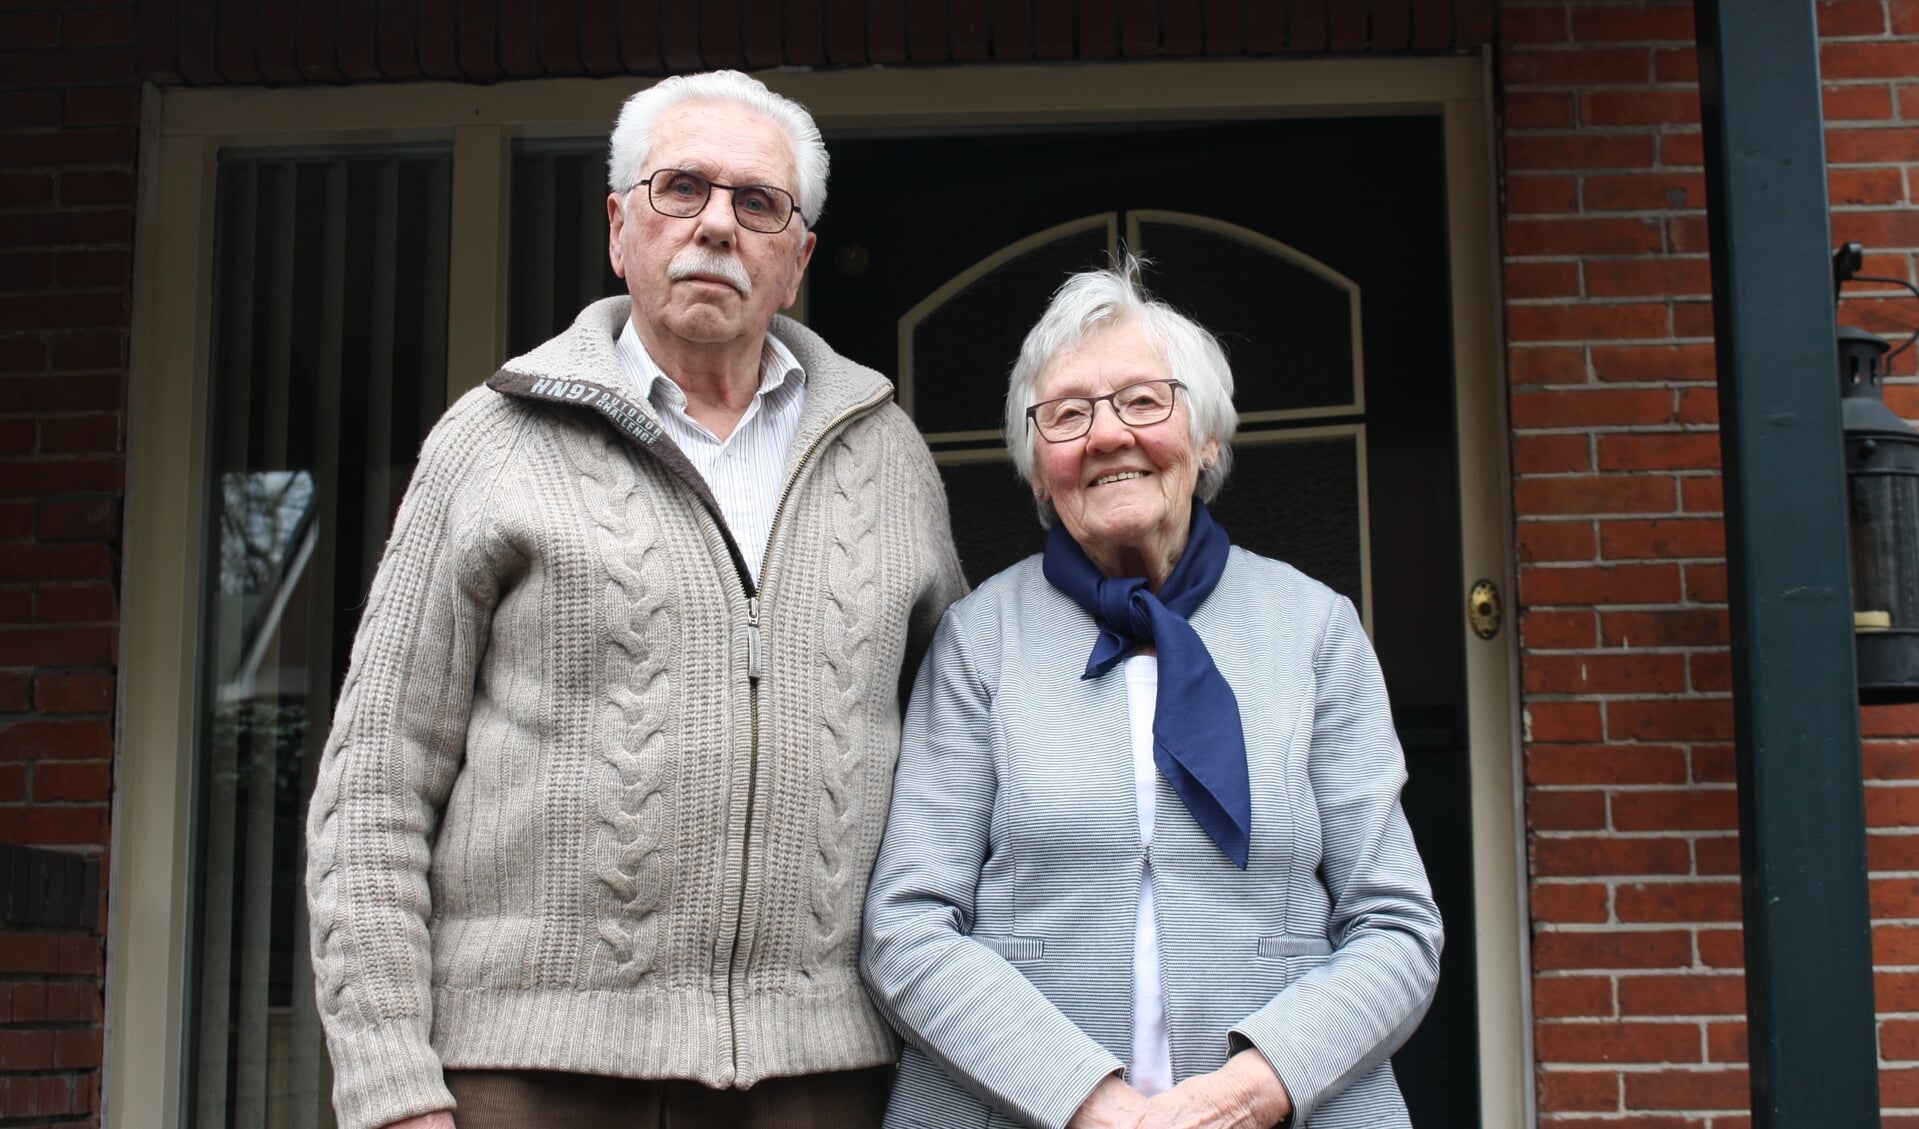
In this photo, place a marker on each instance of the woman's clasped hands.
(1243, 1094)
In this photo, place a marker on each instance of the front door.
(1317, 251)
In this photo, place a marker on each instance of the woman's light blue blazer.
(1000, 918)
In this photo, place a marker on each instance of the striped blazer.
(999, 922)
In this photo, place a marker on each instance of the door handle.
(1483, 609)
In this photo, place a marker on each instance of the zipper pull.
(755, 663)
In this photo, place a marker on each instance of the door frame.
(183, 132)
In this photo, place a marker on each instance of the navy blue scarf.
(1198, 743)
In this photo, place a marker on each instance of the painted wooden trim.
(151, 887)
(1501, 918)
(476, 270)
(852, 99)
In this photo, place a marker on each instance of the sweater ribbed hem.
(784, 1033)
(642, 1033)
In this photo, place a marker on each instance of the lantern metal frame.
(1882, 492)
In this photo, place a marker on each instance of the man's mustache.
(696, 261)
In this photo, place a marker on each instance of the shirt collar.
(779, 369)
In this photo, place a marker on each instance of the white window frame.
(183, 132)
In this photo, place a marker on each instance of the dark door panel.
(1364, 198)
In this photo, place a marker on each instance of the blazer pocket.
(1015, 949)
(1294, 945)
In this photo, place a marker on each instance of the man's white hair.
(632, 140)
(1093, 300)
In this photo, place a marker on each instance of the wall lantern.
(1882, 489)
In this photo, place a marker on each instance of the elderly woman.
(1170, 884)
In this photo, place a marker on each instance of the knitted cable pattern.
(638, 585)
(376, 920)
(852, 607)
(568, 601)
(564, 723)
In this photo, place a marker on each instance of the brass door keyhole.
(1483, 610)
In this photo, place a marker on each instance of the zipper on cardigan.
(755, 663)
(746, 840)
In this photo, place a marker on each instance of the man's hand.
(1243, 1094)
(438, 1119)
(1112, 1105)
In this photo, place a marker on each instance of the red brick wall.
(69, 108)
(1638, 994)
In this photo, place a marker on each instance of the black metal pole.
(1802, 841)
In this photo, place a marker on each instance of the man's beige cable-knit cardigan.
(559, 825)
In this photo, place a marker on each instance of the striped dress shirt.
(747, 469)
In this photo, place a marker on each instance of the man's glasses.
(1136, 405)
(682, 194)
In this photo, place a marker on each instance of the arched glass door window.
(1291, 328)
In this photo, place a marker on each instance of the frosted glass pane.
(1299, 501)
(1287, 331)
(963, 351)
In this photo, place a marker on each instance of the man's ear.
(806, 256)
(615, 224)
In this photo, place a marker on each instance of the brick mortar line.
(1618, 429)
(1896, 208)
(1617, 607)
(1683, 649)
(1676, 473)
(1690, 834)
(1541, 47)
(1613, 882)
(1600, 301)
(1653, 430)
(1572, 1067)
(1580, 257)
(1560, 565)
(1603, 342)
(1691, 972)
(1636, 743)
(1635, 788)
(1584, 929)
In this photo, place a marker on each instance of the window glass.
(1287, 328)
(557, 263)
(963, 341)
(328, 367)
(1300, 497)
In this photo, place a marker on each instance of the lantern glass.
(1885, 545)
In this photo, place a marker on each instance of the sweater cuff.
(384, 1074)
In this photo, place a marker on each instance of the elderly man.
(612, 762)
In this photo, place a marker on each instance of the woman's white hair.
(632, 140)
(1093, 300)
